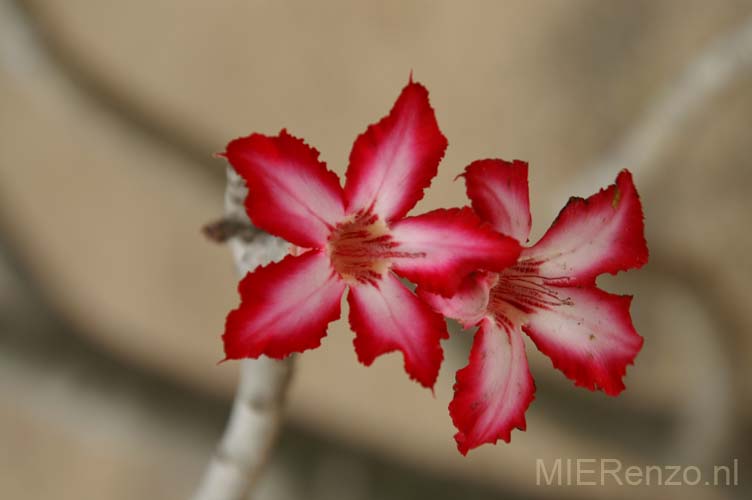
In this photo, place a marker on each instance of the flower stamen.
(361, 248)
(525, 290)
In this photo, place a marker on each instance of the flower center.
(525, 291)
(361, 248)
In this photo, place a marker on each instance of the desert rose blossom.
(549, 294)
(357, 238)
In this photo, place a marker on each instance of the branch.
(726, 58)
(256, 412)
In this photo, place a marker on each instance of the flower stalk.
(254, 421)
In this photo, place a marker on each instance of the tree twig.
(224, 229)
(256, 412)
(724, 60)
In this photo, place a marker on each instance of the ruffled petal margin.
(390, 317)
(603, 233)
(291, 193)
(394, 160)
(285, 308)
(440, 248)
(591, 338)
(494, 390)
(499, 193)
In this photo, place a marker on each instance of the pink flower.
(356, 238)
(549, 294)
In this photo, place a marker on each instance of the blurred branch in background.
(77, 411)
(689, 394)
(716, 68)
(28, 51)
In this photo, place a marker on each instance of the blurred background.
(112, 303)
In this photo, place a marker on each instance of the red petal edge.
(285, 308)
(592, 340)
(441, 248)
(394, 160)
(603, 233)
(468, 305)
(291, 192)
(390, 318)
(494, 390)
(499, 193)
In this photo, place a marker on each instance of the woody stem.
(252, 428)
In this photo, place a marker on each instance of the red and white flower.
(549, 294)
(356, 237)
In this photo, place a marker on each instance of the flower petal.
(394, 160)
(285, 308)
(468, 305)
(493, 391)
(590, 338)
(498, 190)
(439, 249)
(390, 317)
(604, 233)
(291, 192)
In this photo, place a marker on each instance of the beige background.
(111, 303)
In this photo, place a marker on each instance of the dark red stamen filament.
(521, 287)
(361, 249)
